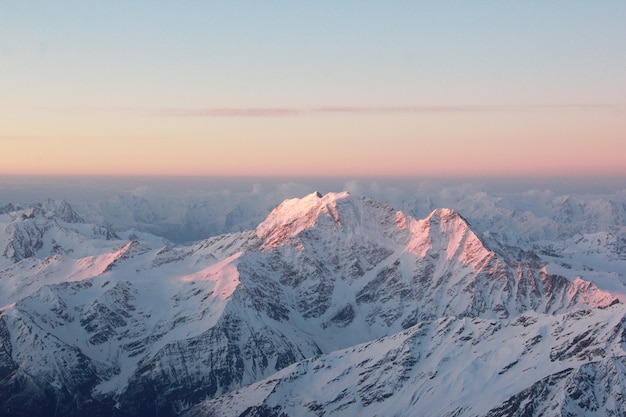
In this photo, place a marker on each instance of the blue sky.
(92, 75)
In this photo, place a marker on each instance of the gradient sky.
(362, 88)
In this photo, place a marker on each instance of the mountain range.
(332, 305)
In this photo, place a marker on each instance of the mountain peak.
(59, 209)
(444, 214)
(296, 214)
(342, 210)
(445, 229)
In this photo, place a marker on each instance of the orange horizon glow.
(571, 142)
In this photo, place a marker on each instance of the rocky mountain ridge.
(571, 364)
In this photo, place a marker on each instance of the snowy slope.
(49, 243)
(570, 364)
(97, 322)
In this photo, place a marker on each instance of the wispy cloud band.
(356, 110)
(268, 112)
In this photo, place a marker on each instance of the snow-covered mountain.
(544, 222)
(534, 365)
(529, 216)
(104, 322)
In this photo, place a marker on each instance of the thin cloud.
(230, 112)
(274, 112)
(357, 110)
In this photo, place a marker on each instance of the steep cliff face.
(114, 323)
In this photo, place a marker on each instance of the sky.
(277, 88)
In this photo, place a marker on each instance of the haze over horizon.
(356, 89)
